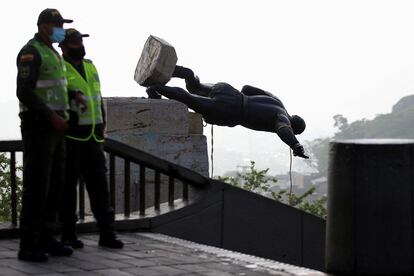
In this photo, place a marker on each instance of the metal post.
(157, 190)
(127, 192)
(142, 190)
(112, 187)
(171, 191)
(370, 207)
(13, 187)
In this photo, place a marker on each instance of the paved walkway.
(146, 254)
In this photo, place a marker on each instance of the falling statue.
(219, 104)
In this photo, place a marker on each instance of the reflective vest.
(51, 85)
(91, 89)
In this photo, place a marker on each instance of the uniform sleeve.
(28, 64)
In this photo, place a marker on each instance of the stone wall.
(163, 128)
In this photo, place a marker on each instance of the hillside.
(397, 124)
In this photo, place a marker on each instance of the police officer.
(84, 141)
(42, 91)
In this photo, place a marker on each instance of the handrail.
(150, 161)
(11, 145)
(130, 155)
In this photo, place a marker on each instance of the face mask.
(58, 35)
(76, 53)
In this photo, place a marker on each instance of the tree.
(5, 189)
(319, 149)
(340, 122)
(397, 124)
(258, 181)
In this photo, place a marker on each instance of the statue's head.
(298, 124)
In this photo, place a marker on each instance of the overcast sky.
(320, 58)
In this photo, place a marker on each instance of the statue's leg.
(197, 103)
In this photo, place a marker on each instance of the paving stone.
(192, 267)
(82, 273)
(84, 265)
(26, 267)
(168, 270)
(162, 256)
(113, 272)
(164, 261)
(50, 274)
(139, 262)
(115, 264)
(9, 244)
(56, 266)
(142, 271)
(11, 272)
(184, 259)
(226, 267)
(217, 273)
(8, 254)
(88, 242)
(137, 254)
(113, 255)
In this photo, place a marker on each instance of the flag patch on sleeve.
(26, 58)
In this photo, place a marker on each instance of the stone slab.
(139, 115)
(157, 62)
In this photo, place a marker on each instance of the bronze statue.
(223, 105)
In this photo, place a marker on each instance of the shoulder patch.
(87, 60)
(24, 71)
(26, 58)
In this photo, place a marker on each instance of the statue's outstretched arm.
(193, 84)
(286, 134)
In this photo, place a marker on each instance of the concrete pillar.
(370, 207)
(164, 128)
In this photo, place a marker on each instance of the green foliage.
(316, 207)
(258, 181)
(5, 189)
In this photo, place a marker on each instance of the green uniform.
(85, 156)
(42, 90)
(51, 84)
(90, 86)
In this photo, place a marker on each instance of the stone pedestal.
(370, 207)
(163, 128)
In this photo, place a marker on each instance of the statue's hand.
(155, 92)
(183, 72)
(298, 150)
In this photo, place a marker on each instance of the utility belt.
(33, 115)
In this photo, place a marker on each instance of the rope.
(290, 172)
(212, 151)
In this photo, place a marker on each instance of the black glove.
(152, 93)
(299, 151)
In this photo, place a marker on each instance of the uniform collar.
(37, 37)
